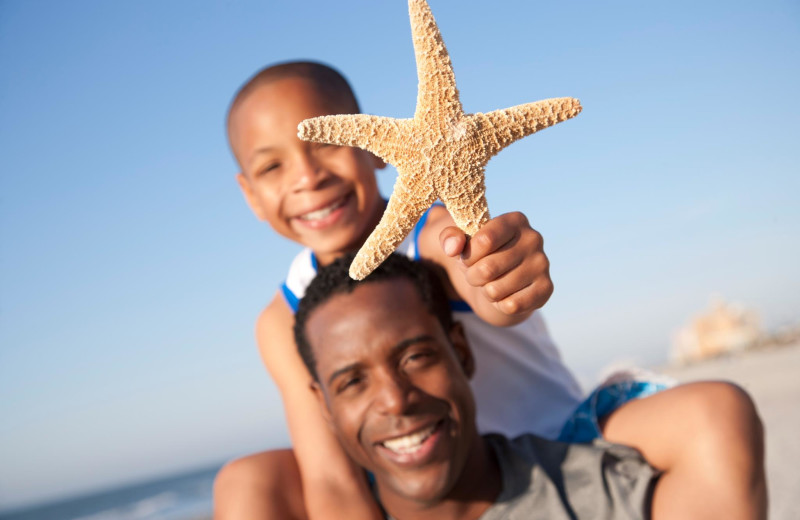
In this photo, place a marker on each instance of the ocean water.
(182, 497)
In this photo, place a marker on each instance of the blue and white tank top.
(521, 385)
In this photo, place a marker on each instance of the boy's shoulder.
(274, 322)
(275, 312)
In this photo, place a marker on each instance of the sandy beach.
(772, 377)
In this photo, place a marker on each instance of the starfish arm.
(437, 96)
(500, 128)
(406, 206)
(465, 199)
(383, 136)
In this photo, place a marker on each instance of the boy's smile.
(325, 214)
(322, 196)
(393, 387)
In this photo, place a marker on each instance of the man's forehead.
(388, 296)
(374, 316)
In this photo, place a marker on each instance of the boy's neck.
(326, 258)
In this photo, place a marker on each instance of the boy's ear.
(323, 404)
(461, 347)
(249, 196)
(377, 162)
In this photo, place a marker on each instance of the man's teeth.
(409, 443)
(323, 212)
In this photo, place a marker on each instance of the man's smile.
(417, 447)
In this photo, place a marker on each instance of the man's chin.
(422, 488)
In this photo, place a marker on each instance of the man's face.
(322, 196)
(394, 388)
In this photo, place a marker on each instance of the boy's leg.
(709, 441)
(261, 486)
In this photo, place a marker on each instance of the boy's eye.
(325, 147)
(268, 168)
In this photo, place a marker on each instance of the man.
(391, 372)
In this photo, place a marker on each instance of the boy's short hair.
(329, 81)
(335, 279)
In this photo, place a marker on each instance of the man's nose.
(395, 394)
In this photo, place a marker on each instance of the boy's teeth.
(323, 212)
(409, 443)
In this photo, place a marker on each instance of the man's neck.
(474, 492)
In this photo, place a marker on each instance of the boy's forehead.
(281, 93)
(268, 97)
(271, 111)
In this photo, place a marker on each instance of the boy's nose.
(308, 172)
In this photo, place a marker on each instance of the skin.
(281, 177)
(503, 273)
(502, 269)
(709, 441)
(387, 369)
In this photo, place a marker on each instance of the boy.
(326, 198)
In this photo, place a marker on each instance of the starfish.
(440, 153)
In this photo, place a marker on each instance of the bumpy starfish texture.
(440, 153)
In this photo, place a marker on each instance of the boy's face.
(394, 388)
(322, 196)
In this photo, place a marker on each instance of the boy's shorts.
(621, 387)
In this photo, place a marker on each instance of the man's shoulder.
(561, 480)
(536, 449)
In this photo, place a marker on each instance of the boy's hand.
(504, 261)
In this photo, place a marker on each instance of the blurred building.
(723, 329)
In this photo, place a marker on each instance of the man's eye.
(420, 357)
(350, 382)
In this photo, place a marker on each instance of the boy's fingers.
(533, 296)
(523, 289)
(502, 279)
(452, 240)
(494, 266)
(492, 236)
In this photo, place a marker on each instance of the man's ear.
(461, 347)
(323, 404)
(249, 196)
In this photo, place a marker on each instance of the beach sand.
(772, 377)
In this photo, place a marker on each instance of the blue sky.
(131, 271)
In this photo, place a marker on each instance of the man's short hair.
(335, 279)
(330, 83)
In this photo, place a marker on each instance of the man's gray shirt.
(551, 480)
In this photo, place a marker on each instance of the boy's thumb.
(452, 240)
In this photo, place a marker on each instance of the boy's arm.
(501, 272)
(333, 485)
